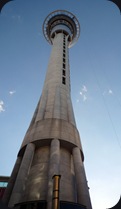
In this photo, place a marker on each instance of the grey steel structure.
(52, 144)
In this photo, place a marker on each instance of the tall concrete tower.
(51, 151)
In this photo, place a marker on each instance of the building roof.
(4, 178)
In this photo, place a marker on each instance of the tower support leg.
(19, 185)
(53, 169)
(81, 182)
(12, 180)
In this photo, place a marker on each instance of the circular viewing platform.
(61, 21)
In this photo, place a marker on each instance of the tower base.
(43, 205)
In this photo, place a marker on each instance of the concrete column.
(53, 169)
(10, 186)
(19, 185)
(81, 182)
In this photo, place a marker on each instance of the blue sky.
(95, 85)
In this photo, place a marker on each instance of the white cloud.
(83, 93)
(84, 98)
(12, 92)
(84, 88)
(107, 92)
(1, 106)
(110, 91)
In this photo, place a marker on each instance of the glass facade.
(3, 185)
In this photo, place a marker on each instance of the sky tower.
(49, 171)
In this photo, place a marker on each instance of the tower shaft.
(52, 144)
(55, 100)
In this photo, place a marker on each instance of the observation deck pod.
(117, 206)
(61, 21)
